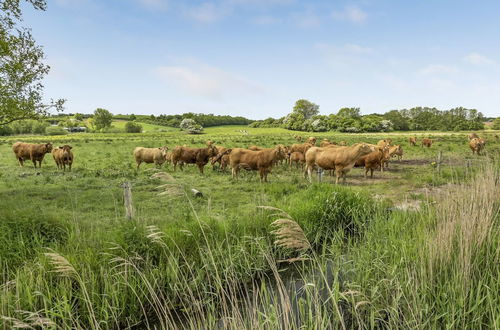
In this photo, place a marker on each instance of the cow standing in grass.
(33, 152)
(63, 156)
(199, 156)
(158, 156)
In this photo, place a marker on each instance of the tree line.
(205, 120)
(305, 117)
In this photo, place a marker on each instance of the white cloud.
(344, 55)
(352, 14)
(478, 59)
(207, 81)
(154, 4)
(437, 69)
(306, 20)
(207, 12)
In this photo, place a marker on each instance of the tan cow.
(199, 156)
(158, 156)
(374, 160)
(326, 142)
(413, 141)
(255, 148)
(222, 157)
(312, 140)
(477, 145)
(33, 152)
(340, 159)
(262, 160)
(473, 136)
(427, 142)
(298, 158)
(300, 147)
(63, 156)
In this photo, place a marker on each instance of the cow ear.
(60, 147)
(70, 147)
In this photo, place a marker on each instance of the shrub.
(190, 126)
(133, 127)
(55, 130)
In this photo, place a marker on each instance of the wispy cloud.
(207, 12)
(352, 14)
(207, 81)
(154, 4)
(437, 69)
(307, 20)
(478, 59)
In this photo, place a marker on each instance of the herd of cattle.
(336, 158)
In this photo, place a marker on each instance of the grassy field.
(407, 248)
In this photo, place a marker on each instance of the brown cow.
(477, 145)
(298, 158)
(262, 160)
(413, 140)
(374, 160)
(326, 142)
(427, 142)
(340, 159)
(312, 140)
(33, 152)
(473, 136)
(158, 156)
(300, 147)
(222, 157)
(63, 156)
(198, 156)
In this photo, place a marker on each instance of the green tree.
(306, 108)
(21, 67)
(78, 117)
(496, 123)
(190, 126)
(102, 118)
(133, 117)
(399, 122)
(349, 113)
(133, 127)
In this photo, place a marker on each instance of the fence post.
(439, 160)
(127, 200)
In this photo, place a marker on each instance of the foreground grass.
(70, 260)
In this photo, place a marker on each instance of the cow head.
(48, 147)
(164, 151)
(66, 147)
(211, 150)
(280, 151)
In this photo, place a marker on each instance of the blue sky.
(256, 57)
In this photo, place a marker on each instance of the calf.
(63, 156)
(413, 141)
(427, 142)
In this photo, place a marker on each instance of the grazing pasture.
(375, 252)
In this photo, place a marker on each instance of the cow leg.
(371, 173)
(200, 166)
(138, 164)
(21, 163)
(366, 172)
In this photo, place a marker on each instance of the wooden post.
(439, 160)
(127, 200)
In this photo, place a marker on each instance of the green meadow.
(417, 246)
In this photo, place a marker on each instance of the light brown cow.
(222, 157)
(63, 156)
(477, 145)
(298, 158)
(255, 148)
(327, 142)
(300, 147)
(427, 142)
(473, 136)
(340, 159)
(33, 152)
(158, 156)
(199, 156)
(262, 160)
(413, 140)
(374, 160)
(396, 151)
(312, 140)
